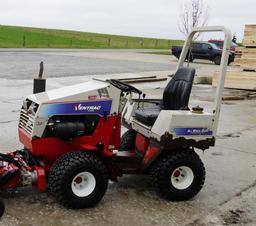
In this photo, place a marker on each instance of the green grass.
(25, 37)
(159, 52)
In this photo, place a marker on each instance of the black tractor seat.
(175, 97)
(148, 115)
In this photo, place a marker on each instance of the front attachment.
(15, 171)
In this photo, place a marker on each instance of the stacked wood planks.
(237, 80)
(247, 59)
(245, 76)
(250, 35)
(238, 54)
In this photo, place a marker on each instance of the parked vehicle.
(203, 50)
(219, 44)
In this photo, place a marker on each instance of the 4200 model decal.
(101, 107)
(193, 132)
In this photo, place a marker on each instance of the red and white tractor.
(73, 145)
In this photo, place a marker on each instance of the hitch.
(15, 172)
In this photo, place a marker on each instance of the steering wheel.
(124, 86)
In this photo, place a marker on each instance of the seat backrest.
(177, 92)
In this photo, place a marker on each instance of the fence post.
(24, 41)
(126, 45)
(141, 43)
(156, 43)
(48, 43)
(169, 43)
(71, 42)
(109, 42)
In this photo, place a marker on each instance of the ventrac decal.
(89, 108)
(193, 131)
(101, 107)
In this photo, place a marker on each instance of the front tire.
(78, 180)
(179, 176)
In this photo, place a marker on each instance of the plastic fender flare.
(88, 147)
(151, 154)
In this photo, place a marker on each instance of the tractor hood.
(93, 89)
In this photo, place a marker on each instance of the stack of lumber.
(237, 80)
(238, 54)
(245, 76)
(248, 59)
(250, 36)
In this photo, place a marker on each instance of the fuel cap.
(197, 109)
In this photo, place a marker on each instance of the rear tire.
(230, 61)
(78, 180)
(191, 59)
(178, 176)
(217, 60)
(128, 140)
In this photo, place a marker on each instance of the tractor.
(73, 145)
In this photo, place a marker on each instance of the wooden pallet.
(247, 59)
(250, 35)
(238, 55)
(239, 51)
(245, 78)
(248, 52)
(246, 63)
(237, 80)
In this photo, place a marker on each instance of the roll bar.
(223, 64)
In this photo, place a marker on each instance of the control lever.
(143, 99)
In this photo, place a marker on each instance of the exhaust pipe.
(39, 83)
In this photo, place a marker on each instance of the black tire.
(128, 140)
(191, 59)
(2, 208)
(217, 60)
(164, 170)
(74, 165)
(230, 61)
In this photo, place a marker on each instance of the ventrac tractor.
(73, 145)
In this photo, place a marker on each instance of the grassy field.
(163, 52)
(25, 37)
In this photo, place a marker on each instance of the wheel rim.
(83, 184)
(182, 177)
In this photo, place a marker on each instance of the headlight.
(33, 108)
(26, 104)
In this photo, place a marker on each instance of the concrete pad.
(24, 63)
(238, 211)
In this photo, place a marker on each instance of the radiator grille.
(26, 121)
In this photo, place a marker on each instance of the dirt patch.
(235, 217)
(230, 135)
